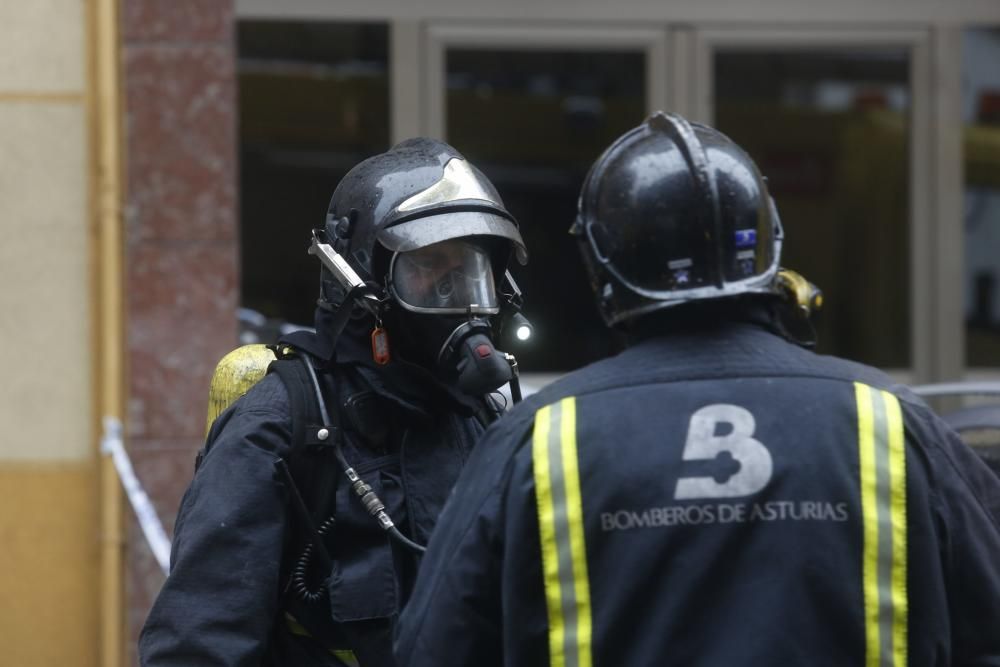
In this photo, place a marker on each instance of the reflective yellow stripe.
(344, 655)
(882, 452)
(900, 546)
(561, 535)
(869, 562)
(574, 503)
(547, 536)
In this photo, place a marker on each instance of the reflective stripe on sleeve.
(560, 525)
(882, 456)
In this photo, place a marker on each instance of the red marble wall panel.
(181, 248)
(181, 123)
(177, 20)
(181, 305)
(160, 464)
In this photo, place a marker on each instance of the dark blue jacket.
(229, 599)
(721, 497)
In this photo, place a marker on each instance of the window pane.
(981, 112)
(830, 131)
(314, 101)
(534, 122)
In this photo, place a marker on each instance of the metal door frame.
(937, 336)
(441, 36)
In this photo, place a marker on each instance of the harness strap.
(292, 377)
(310, 458)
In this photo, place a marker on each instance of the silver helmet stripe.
(457, 182)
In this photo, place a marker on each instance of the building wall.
(181, 248)
(180, 283)
(48, 473)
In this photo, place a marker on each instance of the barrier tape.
(112, 445)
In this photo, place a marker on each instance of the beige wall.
(48, 564)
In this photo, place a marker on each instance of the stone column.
(181, 247)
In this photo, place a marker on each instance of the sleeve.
(454, 614)
(969, 501)
(219, 602)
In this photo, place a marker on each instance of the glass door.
(833, 120)
(533, 109)
(981, 153)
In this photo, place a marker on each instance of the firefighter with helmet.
(298, 539)
(717, 494)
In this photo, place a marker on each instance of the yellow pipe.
(107, 251)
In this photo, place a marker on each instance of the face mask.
(460, 351)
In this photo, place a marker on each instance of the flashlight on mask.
(519, 324)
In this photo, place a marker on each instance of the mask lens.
(450, 276)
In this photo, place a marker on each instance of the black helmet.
(418, 193)
(674, 212)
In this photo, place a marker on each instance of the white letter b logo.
(703, 444)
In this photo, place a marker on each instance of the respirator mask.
(447, 293)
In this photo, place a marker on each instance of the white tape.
(149, 521)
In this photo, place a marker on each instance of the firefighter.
(298, 539)
(717, 494)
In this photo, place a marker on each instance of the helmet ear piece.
(339, 230)
(345, 226)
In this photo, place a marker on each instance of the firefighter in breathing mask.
(298, 539)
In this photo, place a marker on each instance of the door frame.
(937, 336)
(441, 36)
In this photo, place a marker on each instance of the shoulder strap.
(293, 376)
(311, 461)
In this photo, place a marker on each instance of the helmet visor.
(445, 224)
(454, 276)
